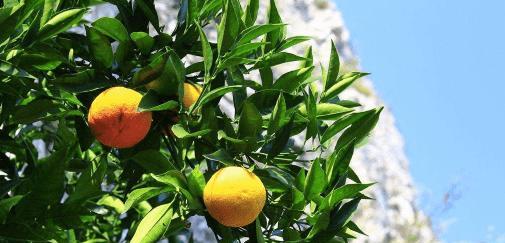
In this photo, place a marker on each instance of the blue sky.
(439, 65)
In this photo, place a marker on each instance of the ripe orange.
(114, 119)
(234, 196)
(191, 91)
(191, 94)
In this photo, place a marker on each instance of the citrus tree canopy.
(112, 130)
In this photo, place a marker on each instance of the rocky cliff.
(393, 215)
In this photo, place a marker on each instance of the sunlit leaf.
(154, 224)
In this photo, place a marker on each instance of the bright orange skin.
(234, 196)
(114, 119)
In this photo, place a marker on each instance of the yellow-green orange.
(234, 196)
(191, 94)
(114, 119)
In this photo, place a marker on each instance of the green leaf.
(60, 23)
(360, 129)
(177, 179)
(207, 54)
(44, 61)
(250, 121)
(343, 215)
(122, 54)
(143, 41)
(35, 111)
(321, 224)
(191, 8)
(142, 194)
(9, 69)
(312, 126)
(6, 205)
(292, 41)
(143, 208)
(195, 67)
(180, 132)
(233, 61)
(280, 175)
(256, 31)
(352, 175)
(46, 183)
(266, 99)
(112, 28)
(171, 79)
(150, 12)
(243, 50)
(290, 81)
(216, 93)
(153, 161)
(220, 156)
(274, 38)
(345, 192)
(172, 177)
(278, 115)
(289, 234)
(82, 82)
(300, 180)
(10, 20)
(196, 182)
(338, 162)
(251, 12)
(327, 111)
(315, 181)
(150, 102)
(348, 103)
(209, 8)
(308, 59)
(239, 142)
(278, 58)
(90, 181)
(49, 8)
(342, 123)
(100, 47)
(153, 226)
(352, 226)
(333, 68)
(112, 202)
(229, 27)
(343, 82)
(151, 71)
(281, 139)
(267, 77)
(259, 234)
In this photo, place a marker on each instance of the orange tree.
(109, 133)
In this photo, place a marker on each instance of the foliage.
(59, 184)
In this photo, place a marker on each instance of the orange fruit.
(191, 91)
(114, 119)
(234, 196)
(191, 94)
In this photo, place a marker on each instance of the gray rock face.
(393, 216)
